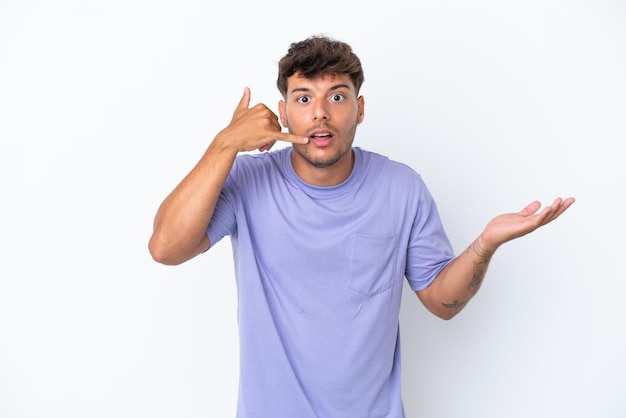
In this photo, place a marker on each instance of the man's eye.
(303, 99)
(337, 97)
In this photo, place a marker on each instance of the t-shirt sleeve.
(429, 248)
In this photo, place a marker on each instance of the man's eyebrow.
(299, 89)
(340, 86)
(335, 87)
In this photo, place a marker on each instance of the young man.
(323, 235)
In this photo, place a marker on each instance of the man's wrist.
(482, 249)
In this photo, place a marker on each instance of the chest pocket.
(372, 263)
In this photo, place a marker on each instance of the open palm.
(509, 226)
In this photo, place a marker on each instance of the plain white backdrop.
(105, 106)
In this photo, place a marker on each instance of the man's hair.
(316, 56)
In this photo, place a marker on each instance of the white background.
(105, 106)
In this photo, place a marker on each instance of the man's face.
(326, 110)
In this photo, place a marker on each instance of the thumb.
(531, 208)
(244, 103)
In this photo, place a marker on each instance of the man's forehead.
(327, 80)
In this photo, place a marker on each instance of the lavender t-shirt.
(319, 276)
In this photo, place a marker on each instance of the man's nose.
(320, 112)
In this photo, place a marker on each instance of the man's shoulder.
(258, 157)
(259, 162)
(380, 162)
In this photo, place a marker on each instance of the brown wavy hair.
(316, 56)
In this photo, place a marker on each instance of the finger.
(295, 139)
(567, 203)
(560, 207)
(547, 214)
(531, 208)
(555, 205)
(244, 103)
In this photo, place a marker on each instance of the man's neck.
(323, 176)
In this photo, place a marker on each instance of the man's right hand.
(253, 128)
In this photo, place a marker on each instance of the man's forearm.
(458, 282)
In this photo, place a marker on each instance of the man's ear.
(282, 111)
(361, 110)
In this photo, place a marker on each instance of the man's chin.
(322, 161)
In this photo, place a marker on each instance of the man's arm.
(459, 281)
(179, 231)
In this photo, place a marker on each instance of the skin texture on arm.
(179, 231)
(460, 280)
